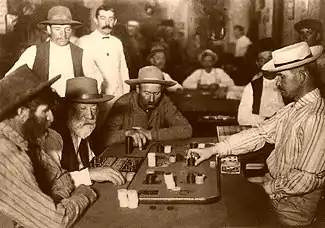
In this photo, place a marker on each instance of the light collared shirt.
(271, 102)
(242, 45)
(216, 76)
(107, 60)
(60, 63)
(54, 146)
(297, 164)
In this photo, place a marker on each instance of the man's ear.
(137, 88)
(302, 76)
(115, 21)
(23, 113)
(95, 21)
(318, 36)
(48, 29)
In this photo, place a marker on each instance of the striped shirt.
(297, 164)
(21, 197)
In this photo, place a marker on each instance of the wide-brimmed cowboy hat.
(150, 75)
(292, 56)
(208, 52)
(60, 15)
(84, 90)
(309, 24)
(19, 87)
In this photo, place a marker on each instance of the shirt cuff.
(81, 177)
(222, 148)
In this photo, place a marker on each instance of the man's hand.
(139, 137)
(143, 131)
(201, 154)
(101, 174)
(87, 191)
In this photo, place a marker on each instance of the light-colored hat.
(19, 87)
(59, 15)
(133, 23)
(208, 52)
(84, 90)
(292, 56)
(150, 75)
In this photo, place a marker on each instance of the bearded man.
(34, 192)
(71, 148)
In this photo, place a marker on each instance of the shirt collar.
(100, 35)
(13, 135)
(58, 47)
(310, 97)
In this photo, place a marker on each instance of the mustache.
(107, 27)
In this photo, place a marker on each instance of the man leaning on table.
(297, 164)
(145, 114)
(35, 191)
(70, 145)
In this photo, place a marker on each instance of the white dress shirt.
(107, 60)
(174, 87)
(216, 76)
(271, 102)
(60, 62)
(241, 46)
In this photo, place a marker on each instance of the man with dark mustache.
(106, 57)
(73, 151)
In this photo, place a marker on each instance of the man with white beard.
(77, 119)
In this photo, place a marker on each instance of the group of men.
(49, 168)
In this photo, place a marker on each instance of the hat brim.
(105, 98)
(61, 22)
(316, 51)
(30, 93)
(149, 81)
(200, 57)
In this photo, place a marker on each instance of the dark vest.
(41, 63)
(257, 86)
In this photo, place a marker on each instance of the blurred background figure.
(242, 41)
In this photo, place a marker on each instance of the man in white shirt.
(71, 148)
(261, 98)
(57, 56)
(107, 56)
(242, 41)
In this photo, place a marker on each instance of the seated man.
(145, 114)
(297, 164)
(34, 192)
(78, 120)
(261, 98)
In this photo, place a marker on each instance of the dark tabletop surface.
(242, 204)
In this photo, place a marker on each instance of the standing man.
(35, 191)
(242, 41)
(297, 164)
(107, 56)
(57, 56)
(71, 148)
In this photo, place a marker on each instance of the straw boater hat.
(208, 52)
(60, 15)
(84, 90)
(150, 75)
(292, 56)
(19, 87)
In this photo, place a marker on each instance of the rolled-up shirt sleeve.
(27, 57)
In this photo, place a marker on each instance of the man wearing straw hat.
(297, 164)
(71, 148)
(145, 114)
(35, 191)
(58, 55)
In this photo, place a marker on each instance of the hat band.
(86, 96)
(294, 61)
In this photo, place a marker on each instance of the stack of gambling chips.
(128, 198)
(151, 159)
(169, 180)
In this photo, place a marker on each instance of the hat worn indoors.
(150, 75)
(309, 23)
(156, 49)
(60, 15)
(208, 52)
(19, 87)
(292, 56)
(84, 90)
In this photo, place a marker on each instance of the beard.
(81, 127)
(35, 128)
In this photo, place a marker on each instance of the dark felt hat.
(265, 44)
(309, 23)
(19, 87)
(84, 90)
